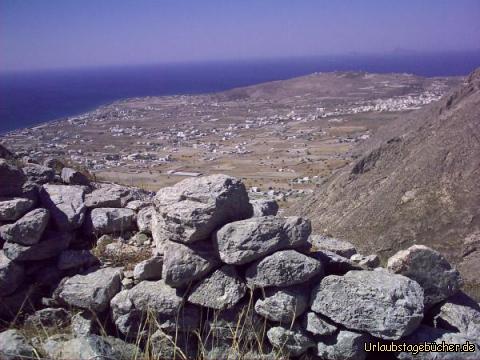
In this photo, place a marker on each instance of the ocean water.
(30, 98)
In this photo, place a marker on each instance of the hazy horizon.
(84, 34)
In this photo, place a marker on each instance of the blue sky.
(76, 33)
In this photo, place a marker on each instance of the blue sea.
(33, 97)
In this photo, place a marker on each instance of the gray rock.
(345, 345)
(459, 313)
(339, 247)
(11, 178)
(71, 259)
(27, 230)
(194, 208)
(73, 177)
(334, 264)
(184, 264)
(385, 305)
(111, 220)
(51, 245)
(137, 205)
(38, 174)
(150, 269)
(283, 305)
(48, 318)
(169, 347)
(425, 334)
(83, 324)
(123, 350)
(92, 291)
(62, 347)
(12, 209)
(130, 307)
(14, 346)
(428, 268)
(264, 207)
(243, 241)
(316, 325)
(367, 262)
(221, 290)
(292, 342)
(144, 219)
(54, 164)
(140, 239)
(11, 275)
(65, 204)
(108, 196)
(283, 268)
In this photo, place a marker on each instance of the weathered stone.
(108, 196)
(428, 268)
(171, 347)
(130, 307)
(385, 305)
(62, 347)
(12, 209)
(183, 264)
(316, 325)
(92, 291)
(221, 290)
(424, 334)
(14, 346)
(150, 269)
(11, 275)
(137, 205)
(73, 177)
(264, 207)
(51, 245)
(11, 178)
(27, 230)
(83, 324)
(71, 259)
(368, 262)
(283, 305)
(283, 268)
(111, 220)
(459, 313)
(38, 174)
(345, 345)
(193, 209)
(292, 342)
(140, 239)
(334, 264)
(65, 204)
(48, 318)
(243, 241)
(339, 247)
(123, 350)
(144, 219)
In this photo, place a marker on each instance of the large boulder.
(52, 244)
(27, 230)
(111, 220)
(11, 275)
(65, 204)
(15, 346)
(346, 345)
(38, 174)
(130, 308)
(12, 209)
(243, 241)
(221, 290)
(293, 342)
(282, 305)
(92, 291)
(11, 178)
(385, 305)
(458, 314)
(194, 208)
(283, 268)
(183, 264)
(264, 207)
(73, 177)
(428, 268)
(339, 247)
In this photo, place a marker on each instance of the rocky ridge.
(210, 262)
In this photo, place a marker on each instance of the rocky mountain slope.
(199, 271)
(415, 182)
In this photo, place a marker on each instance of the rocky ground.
(199, 270)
